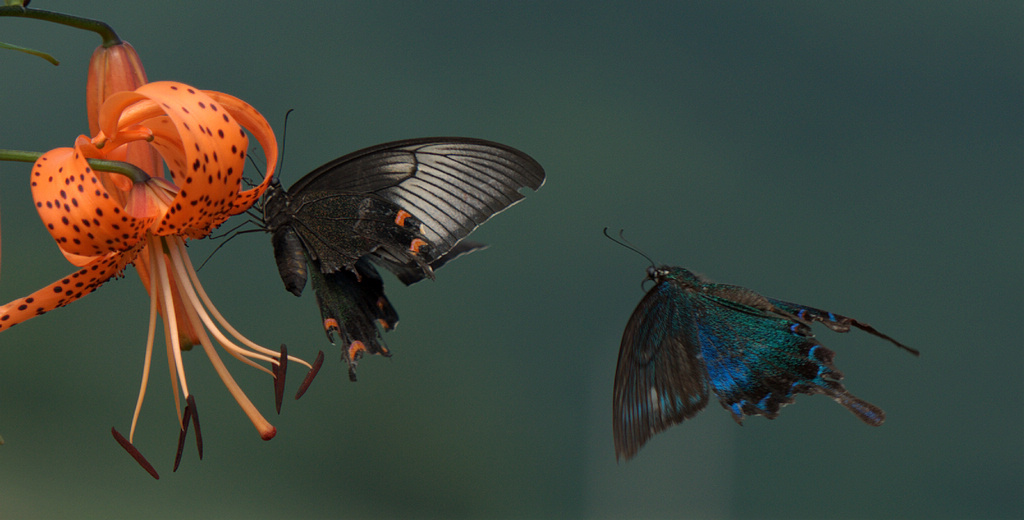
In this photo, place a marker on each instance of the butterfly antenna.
(626, 244)
(230, 234)
(280, 162)
(284, 140)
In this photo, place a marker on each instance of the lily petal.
(64, 291)
(78, 211)
(205, 152)
(258, 126)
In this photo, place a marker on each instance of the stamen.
(265, 429)
(185, 262)
(149, 352)
(181, 436)
(309, 376)
(195, 423)
(173, 243)
(170, 367)
(279, 372)
(187, 290)
(156, 253)
(135, 453)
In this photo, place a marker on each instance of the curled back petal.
(124, 109)
(66, 290)
(258, 126)
(206, 158)
(77, 209)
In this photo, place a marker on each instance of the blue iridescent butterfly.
(756, 353)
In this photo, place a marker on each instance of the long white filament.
(171, 271)
(149, 353)
(186, 262)
(170, 321)
(186, 289)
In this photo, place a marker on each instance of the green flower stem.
(131, 171)
(33, 52)
(105, 31)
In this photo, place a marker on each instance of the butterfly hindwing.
(337, 229)
(836, 322)
(759, 360)
(353, 305)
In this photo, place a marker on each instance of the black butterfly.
(404, 205)
(756, 353)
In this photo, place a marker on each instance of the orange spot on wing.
(400, 218)
(331, 324)
(417, 244)
(355, 349)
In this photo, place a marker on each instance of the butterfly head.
(657, 274)
(678, 275)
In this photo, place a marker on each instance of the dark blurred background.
(863, 157)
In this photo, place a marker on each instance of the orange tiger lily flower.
(112, 69)
(104, 221)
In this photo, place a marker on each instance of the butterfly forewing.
(660, 379)
(451, 184)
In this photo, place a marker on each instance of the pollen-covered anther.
(135, 453)
(181, 437)
(313, 370)
(279, 373)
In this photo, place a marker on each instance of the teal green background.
(861, 157)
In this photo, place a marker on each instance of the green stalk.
(105, 31)
(131, 171)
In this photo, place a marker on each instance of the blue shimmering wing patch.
(660, 379)
(759, 359)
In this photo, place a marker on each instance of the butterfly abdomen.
(288, 248)
(291, 259)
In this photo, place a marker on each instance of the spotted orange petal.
(78, 211)
(205, 153)
(66, 290)
(258, 126)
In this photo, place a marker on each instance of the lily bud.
(112, 69)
